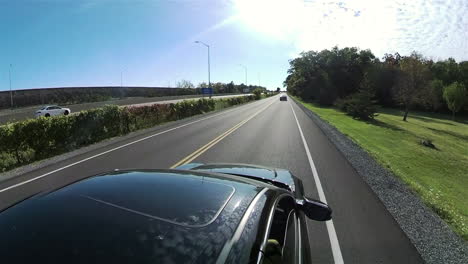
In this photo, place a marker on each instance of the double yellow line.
(213, 142)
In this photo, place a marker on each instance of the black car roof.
(128, 217)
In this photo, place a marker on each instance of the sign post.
(208, 91)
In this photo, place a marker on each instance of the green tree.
(329, 74)
(435, 95)
(411, 81)
(230, 87)
(361, 105)
(454, 96)
(185, 84)
(448, 71)
(257, 93)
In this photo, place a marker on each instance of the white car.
(52, 110)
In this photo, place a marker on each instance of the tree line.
(220, 87)
(77, 95)
(355, 80)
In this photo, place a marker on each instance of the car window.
(281, 244)
(289, 248)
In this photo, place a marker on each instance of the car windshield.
(360, 104)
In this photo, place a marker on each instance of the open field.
(439, 176)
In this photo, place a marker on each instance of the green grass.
(439, 176)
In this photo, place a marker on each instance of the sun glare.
(276, 18)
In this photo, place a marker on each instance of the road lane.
(156, 152)
(366, 232)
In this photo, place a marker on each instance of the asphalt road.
(23, 113)
(270, 136)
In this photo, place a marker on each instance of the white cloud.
(437, 28)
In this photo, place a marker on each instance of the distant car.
(52, 110)
(283, 97)
(197, 213)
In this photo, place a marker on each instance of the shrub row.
(35, 139)
(72, 95)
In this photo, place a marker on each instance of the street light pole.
(11, 93)
(209, 80)
(245, 69)
(121, 76)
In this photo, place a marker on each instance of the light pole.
(208, 46)
(245, 69)
(121, 77)
(11, 93)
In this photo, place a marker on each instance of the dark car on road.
(283, 97)
(219, 213)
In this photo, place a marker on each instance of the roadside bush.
(257, 93)
(13, 141)
(35, 139)
(358, 105)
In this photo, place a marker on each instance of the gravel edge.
(432, 237)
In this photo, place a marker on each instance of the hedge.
(27, 141)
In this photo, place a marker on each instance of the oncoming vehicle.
(196, 213)
(52, 110)
(283, 97)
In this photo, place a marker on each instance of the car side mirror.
(314, 209)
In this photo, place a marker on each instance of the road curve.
(267, 133)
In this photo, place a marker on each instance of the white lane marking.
(110, 150)
(337, 257)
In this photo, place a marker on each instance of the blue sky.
(54, 43)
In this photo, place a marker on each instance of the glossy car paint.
(127, 217)
(261, 172)
(207, 214)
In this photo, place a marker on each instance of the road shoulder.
(432, 237)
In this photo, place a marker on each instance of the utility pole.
(245, 69)
(11, 92)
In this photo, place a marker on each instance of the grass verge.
(439, 176)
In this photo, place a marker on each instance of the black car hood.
(252, 171)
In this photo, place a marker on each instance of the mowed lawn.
(439, 176)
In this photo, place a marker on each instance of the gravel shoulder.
(432, 237)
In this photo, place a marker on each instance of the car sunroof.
(181, 199)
